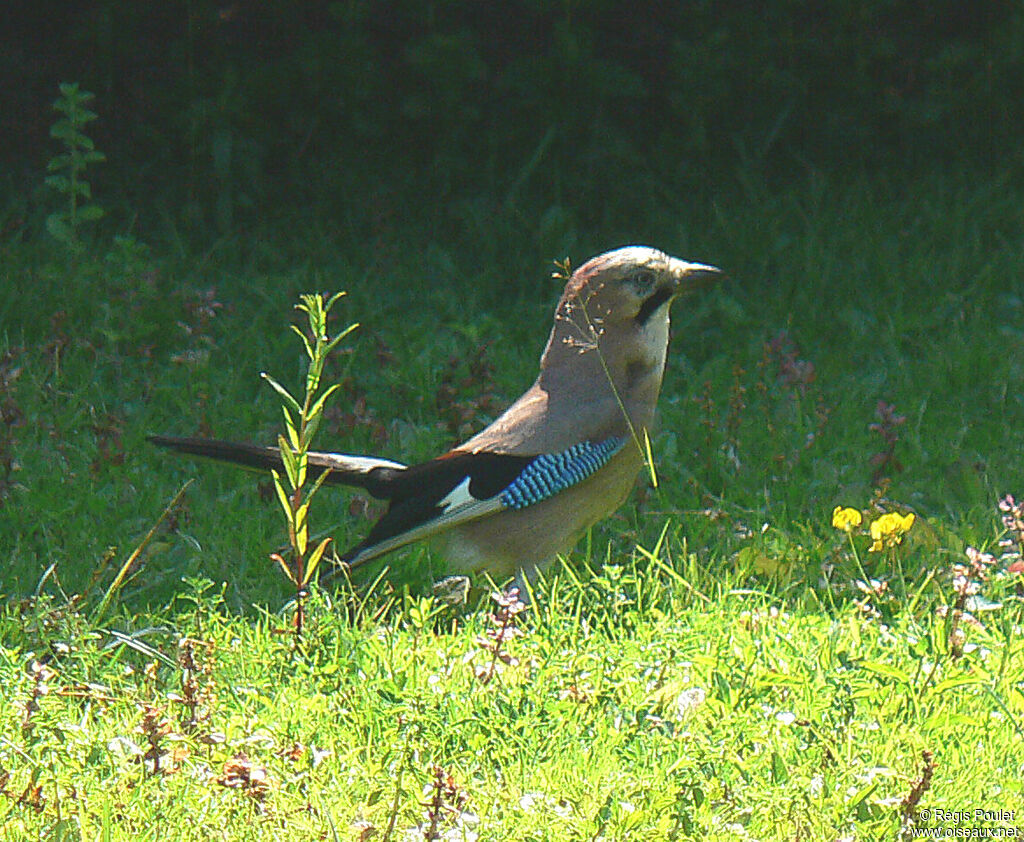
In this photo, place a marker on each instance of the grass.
(636, 706)
(704, 666)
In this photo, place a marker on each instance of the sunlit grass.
(639, 699)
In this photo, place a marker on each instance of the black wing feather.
(258, 457)
(416, 492)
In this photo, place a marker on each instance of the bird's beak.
(694, 277)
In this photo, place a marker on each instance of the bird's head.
(619, 302)
(601, 370)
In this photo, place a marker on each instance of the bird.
(567, 453)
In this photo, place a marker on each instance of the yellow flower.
(889, 530)
(846, 519)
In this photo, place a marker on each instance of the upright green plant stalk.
(68, 168)
(301, 423)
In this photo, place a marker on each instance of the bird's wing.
(433, 496)
(462, 486)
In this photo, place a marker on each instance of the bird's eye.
(643, 281)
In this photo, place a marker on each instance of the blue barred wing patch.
(551, 473)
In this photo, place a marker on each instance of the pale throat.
(653, 339)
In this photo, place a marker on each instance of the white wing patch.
(457, 497)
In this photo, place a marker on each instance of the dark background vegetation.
(232, 112)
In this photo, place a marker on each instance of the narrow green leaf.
(649, 459)
(957, 681)
(316, 485)
(311, 427)
(302, 528)
(318, 406)
(305, 341)
(289, 425)
(291, 467)
(887, 670)
(770, 678)
(284, 566)
(314, 560)
(282, 496)
(722, 688)
(133, 558)
(780, 774)
(340, 336)
(283, 392)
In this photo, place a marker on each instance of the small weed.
(41, 676)
(197, 686)
(968, 580)
(793, 415)
(462, 378)
(253, 780)
(155, 727)
(68, 169)
(446, 804)
(733, 417)
(201, 308)
(12, 416)
(909, 804)
(1012, 541)
(502, 631)
(301, 423)
(884, 462)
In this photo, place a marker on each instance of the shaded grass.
(892, 292)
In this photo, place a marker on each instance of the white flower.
(688, 701)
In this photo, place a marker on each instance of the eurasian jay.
(563, 456)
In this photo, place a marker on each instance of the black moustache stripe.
(652, 304)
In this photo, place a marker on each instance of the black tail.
(360, 471)
(246, 455)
